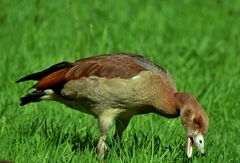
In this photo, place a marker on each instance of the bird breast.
(135, 92)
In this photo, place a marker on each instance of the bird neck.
(168, 106)
(181, 99)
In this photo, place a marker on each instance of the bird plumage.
(116, 86)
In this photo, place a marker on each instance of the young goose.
(119, 86)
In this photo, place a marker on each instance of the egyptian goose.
(119, 86)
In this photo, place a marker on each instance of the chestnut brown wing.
(107, 66)
(121, 65)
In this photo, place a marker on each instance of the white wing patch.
(136, 77)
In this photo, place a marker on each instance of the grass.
(197, 41)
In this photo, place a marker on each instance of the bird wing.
(122, 65)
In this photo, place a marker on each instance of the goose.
(116, 87)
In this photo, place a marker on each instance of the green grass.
(197, 41)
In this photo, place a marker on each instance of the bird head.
(194, 120)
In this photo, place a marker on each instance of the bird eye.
(200, 141)
(195, 121)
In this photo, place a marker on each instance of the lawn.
(197, 41)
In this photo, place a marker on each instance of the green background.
(197, 41)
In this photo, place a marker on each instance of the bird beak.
(189, 146)
(198, 140)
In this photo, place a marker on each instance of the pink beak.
(189, 147)
(198, 140)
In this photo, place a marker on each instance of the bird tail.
(47, 79)
(32, 97)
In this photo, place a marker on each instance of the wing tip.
(20, 80)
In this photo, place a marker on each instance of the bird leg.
(105, 125)
(101, 147)
(121, 125)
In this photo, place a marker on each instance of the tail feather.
(51, 76)
(32, 97)
(42, 74)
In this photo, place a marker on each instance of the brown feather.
(52, 80)
(122, 66)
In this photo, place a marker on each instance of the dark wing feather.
(42, 74)
(147, 64)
